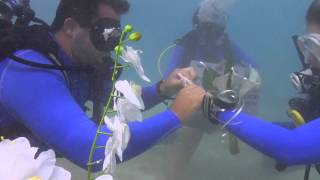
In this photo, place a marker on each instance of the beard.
(85, 57)
(84, 54)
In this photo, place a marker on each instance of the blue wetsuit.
(41, 101)
(288, 146)
(188, 50)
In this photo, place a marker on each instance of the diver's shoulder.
(32, 55)
(187, 39)
(242, 55)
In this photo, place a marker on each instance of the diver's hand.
(178, 79)
(188, 100)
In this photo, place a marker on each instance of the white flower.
(116, 144)
(129, 93)
(129, 111)
(18, 162)
(130, 107)
(105, 177)
(131, 56)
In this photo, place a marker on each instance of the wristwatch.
(213, 104)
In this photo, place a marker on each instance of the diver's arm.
(40, 100)
(291, 147)
(175, 60)
(242, 56)
(150, 95)
(150, 131)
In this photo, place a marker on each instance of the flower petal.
(45, 164)
(60, 173)
(109, 122)
(126, 137)
(17, 155)
(132, 57)
(139, 69)
(125, 88)
(109, 163)
(20, 162)
(129, 111)
(104, 177)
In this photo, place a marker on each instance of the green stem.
(124, 41)
(93, 146)
(124, 66)
(120, 97)
(96, 162)
(104, 133)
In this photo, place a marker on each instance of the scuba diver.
(49, 72)
(209, 50)
(298, 146)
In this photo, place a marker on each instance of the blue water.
(262, 28)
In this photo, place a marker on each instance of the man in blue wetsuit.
(206, 46)
(47, 105)
(298, 146)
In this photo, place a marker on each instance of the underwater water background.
(263, 29)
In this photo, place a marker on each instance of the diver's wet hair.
(313, 13)
(84, 11)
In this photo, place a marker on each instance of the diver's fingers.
(295, 81)
(185, 81)
(190, 73)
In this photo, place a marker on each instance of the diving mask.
(305, 81)
(309, 45)
(209, 32)
(105, 34)
(210, 24)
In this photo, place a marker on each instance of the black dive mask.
(105, 34)
(209, 33)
